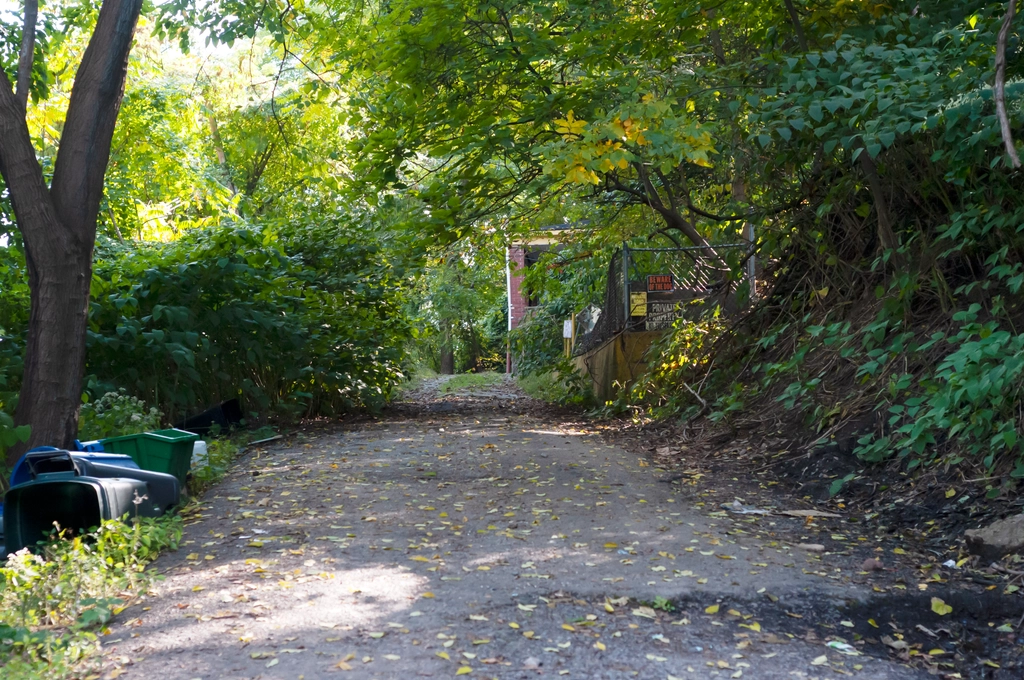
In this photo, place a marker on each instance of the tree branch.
(668, 190)
(795, 18)
(999, 88)
(672, 218)
(21, 172)
(653, 197)
(716, 40)
(27, 54)
(81, 163)
(515, 48)
(885, 233)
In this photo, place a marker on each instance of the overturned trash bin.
(78, 494)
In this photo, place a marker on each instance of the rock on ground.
(1001, 538)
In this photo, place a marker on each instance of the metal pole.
(751, 269)
(508, 295)
(625, 284)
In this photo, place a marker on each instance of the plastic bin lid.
(20, 472)
(168, 435)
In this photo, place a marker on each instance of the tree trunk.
(51, 391)
(886, 235)
(795, 18)
(58, 224)
(447, 356)
(218, 146)
(474, 349)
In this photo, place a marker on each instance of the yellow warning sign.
(638, 304)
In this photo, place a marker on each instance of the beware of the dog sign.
(659, 283)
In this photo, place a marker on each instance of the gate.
(649, 288)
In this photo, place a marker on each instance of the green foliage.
(863, 150)
(302, 320)
(51, 602)
(470, 381)
(664, 604)
(562, 282)
(971, 399)
(115, 414)
(10, 434)
(537, 341)
(562, 385)
(229, 261)
(460, 308)
(677, 356)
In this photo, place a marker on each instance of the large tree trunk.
(447, 363)
(58, 224)
(51, 391)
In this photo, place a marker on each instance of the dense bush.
(303, 316)
(303, 321)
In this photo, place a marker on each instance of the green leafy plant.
(302, 321)
(562, 384)
(53, 599)
(470, 381)
(664, 604)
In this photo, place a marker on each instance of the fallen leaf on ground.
(940, 607)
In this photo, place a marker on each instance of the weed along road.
(469, 534)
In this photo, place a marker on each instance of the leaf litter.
(366, 502)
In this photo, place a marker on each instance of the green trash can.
(167, 451)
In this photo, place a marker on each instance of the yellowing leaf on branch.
(570, 125)
(581, 175)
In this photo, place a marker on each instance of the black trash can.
(79, 494)
(74, 503)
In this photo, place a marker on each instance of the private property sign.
(660, 283)
(661, 315)
(662, 304)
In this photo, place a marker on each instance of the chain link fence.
(649, 288)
